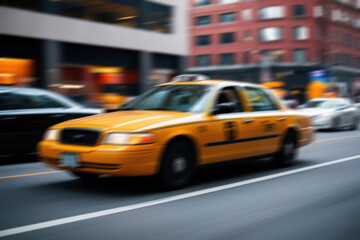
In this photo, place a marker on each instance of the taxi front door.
(222, 140)
(263, 122)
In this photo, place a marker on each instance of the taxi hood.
(125, 120)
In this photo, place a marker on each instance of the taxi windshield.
(181, 98)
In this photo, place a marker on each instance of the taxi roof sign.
(190, 78)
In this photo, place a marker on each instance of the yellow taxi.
(176, 127)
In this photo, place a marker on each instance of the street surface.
(315, 198)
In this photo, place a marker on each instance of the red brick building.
(238, 39)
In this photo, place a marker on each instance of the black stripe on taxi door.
(240, 140)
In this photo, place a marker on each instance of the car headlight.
(51, 135)
(326, 115)
(119, 138)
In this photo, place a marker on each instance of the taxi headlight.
(51, 135)
(119, 138)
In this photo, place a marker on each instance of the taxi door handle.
(281, 119)
(248, 121)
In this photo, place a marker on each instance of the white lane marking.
(82, 217)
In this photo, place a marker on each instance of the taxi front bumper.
(140, 160)
(306, 136)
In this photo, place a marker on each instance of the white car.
(331, 113)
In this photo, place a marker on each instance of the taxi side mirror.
(221, 108)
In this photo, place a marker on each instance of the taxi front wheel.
(177, 165)
(288, 151)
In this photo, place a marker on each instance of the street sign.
(320, 76)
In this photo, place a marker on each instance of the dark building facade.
(84, 46)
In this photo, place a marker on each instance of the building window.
(202, 3)
(299, 10)
(338, 37)
(203, 40)
(270, 34)
(226, 38)
(334, 37)
(203, 20)
(228, 17)
(246, 57)
(344, 1)
(319, 11)
(336, 15)
(271, 12)
(299, 55)
(246, 15)
(346, 39)
(203, 60)
(228, 1)
(247, 35)
(321, 34)
(156, 17)
(345, 60)
(273, 55)
(300, 33)
(227, 59)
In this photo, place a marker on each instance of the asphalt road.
(315, 198)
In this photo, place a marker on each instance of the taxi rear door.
(262, 123)
(220, 140)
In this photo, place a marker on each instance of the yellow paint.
(200, 128)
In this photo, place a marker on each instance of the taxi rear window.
(259, 100)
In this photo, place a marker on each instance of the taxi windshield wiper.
(126, 108)
(157, 108)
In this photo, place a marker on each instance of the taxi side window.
(259, 100)
(229, 95)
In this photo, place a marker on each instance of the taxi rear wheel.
(288, 151)
(177, 165)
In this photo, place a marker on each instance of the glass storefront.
(104, 86)
(16, 71)
(129, 13)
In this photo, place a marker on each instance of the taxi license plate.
(69, 160)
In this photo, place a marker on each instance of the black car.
(25, 114)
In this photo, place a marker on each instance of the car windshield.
(181, 98)
(320, 104)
